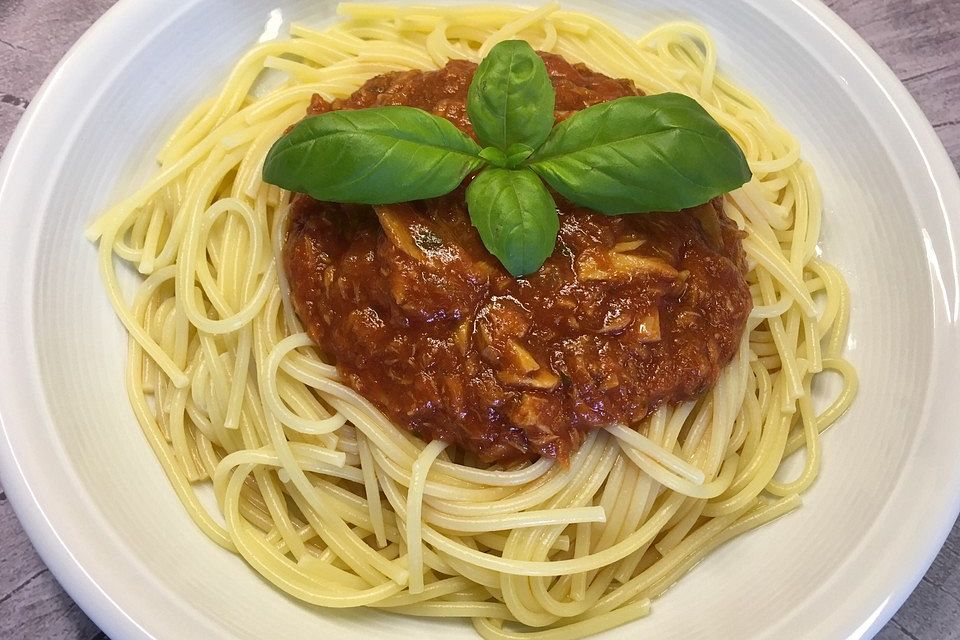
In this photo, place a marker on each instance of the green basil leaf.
(379, 155)
(641, 153)
(510, 159)
(516, 217)
(517, 153)
(494, 156)
(511, 98)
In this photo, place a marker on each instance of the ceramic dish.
(98, 508)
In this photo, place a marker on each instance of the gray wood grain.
(919, 39)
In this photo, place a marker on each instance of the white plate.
(97, 506)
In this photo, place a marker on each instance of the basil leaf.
(641, 153)
(511, 98)
(380, 155)
(516, 217)
(511, 159)
(517, 153)
(494, 156)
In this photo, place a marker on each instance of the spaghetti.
(327, 499)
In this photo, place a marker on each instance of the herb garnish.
(631, 155)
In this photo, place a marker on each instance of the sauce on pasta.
(629, 312)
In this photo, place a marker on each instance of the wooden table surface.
(919, 39)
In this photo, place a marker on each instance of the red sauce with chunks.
(628, 313)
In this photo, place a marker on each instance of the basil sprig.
(631, 155)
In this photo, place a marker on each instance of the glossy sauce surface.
(628, 313)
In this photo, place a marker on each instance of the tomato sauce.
(628, 313)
